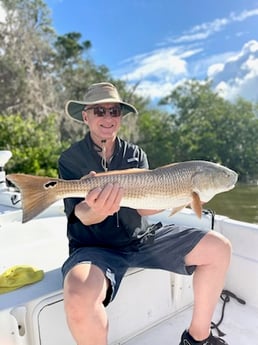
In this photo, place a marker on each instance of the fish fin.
(37, 193)
(86, 176)
(90, 174)
(196, 204)
(176, 209)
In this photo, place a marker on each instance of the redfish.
(173, 186)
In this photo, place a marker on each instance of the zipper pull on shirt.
(104, 156)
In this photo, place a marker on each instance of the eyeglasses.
(101, 111)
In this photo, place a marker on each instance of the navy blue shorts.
(166, 251)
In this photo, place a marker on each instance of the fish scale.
(172, 187)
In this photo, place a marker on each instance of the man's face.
(103, 120)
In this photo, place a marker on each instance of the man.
(105, 240)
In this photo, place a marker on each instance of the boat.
(152, 306)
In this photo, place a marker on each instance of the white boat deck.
(240, 324)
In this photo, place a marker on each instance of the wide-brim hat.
(97, 94)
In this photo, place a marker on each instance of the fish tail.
(37, 193)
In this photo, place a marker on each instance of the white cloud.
(157, 64)
(244, 15)
(157, 72)
(154, 90)
(238, 76)
(214, 69)
(203, 31)
(200, 67)
(234, 72)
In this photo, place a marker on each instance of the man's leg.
(85, 289)
(212, 257)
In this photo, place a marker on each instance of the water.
(241, 203)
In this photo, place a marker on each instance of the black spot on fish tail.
(50, 184)
(37, 193)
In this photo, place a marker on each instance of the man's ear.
(85, 117)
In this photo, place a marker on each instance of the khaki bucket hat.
(97, 94)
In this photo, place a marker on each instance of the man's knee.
(84, 288)
(218, 247)
(213, 248)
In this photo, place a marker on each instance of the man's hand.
(99, 203)
(105, 201)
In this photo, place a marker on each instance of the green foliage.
(69, 49)
(156, 138)
(35, 146)
(209, 127)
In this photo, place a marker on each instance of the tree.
(35, 146)
(26, 37)
(155, 137)
(13, 86)
(210, 127)
(69, 49)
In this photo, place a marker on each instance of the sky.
(160, 43)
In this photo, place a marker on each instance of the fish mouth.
(235, 179)
(232, 186)
(233, 182)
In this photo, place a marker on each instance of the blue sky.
(160, 43)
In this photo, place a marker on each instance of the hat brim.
(74, 108)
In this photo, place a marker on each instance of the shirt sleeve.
(143, 163)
